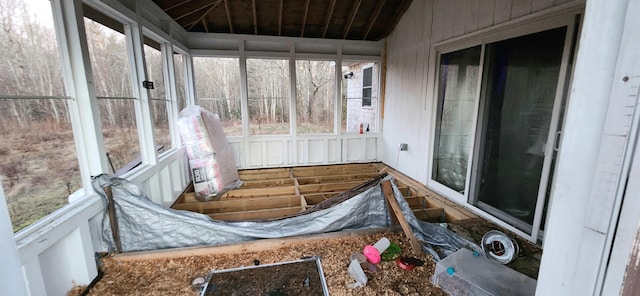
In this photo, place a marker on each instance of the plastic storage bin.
(466, 273)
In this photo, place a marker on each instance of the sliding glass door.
(497, 113)
(521, 80)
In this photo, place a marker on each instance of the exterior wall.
(356, 113)
(408, 112)
(588, 243)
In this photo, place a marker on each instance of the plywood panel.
(255, 154)
(332, 154)
(371, 149)
(354, 149)
(316, 150)
(502, 11)
(485, 13)
(301, 151)
(275, 153)
(520, 8)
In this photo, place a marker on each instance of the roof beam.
(373, 19)
(304, 20)
(329, 15)
(353, 16)
(202, 17)
(194, 11)
(226, 8)
(255, 18)
(280, 18)
(205, 25)
(176, 5)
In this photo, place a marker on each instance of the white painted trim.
(11, 278)
(528, 24)
(574, 245)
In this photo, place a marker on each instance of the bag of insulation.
(211, 160)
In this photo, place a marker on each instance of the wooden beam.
(329, 15)
(245, 247)
(328, 187)
(280, 18)
(304, 20)
(259, 192)
(433, 200)
(395, 207)
(336, 178)
(205, 25)
(373, 19)
(353, 16)
(266, 183)
(176, 5)
(431, 215)
(255, 18)
(240, 204)
(194, 11)
(204, 15)
(257, 214)
(226, 8)
(113, 218)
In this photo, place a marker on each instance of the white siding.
(407, 111)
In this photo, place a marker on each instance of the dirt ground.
(173, 276)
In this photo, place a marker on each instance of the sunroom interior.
(468, 99)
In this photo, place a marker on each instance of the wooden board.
(238, 205)
(395, 207)
(257, 214)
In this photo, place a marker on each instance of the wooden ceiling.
(330, 19)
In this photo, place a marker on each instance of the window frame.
(482, 38)
(366, 100)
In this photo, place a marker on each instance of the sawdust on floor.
(173, 276)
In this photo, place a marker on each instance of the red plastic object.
(372, 254)
(404, 265)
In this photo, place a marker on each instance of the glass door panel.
(521, 80)
(457, 93)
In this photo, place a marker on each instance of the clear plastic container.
(467, 273)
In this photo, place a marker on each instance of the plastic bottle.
(373, 252)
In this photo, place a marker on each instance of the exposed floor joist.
(278, 192)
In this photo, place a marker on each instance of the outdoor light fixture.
(348, 75)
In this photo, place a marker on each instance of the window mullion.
(144, 118)
(84, 111)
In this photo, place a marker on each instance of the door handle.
(556, 144)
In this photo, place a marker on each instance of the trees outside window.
(38, 162)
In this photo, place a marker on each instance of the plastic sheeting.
(145, 225)
(211, 159)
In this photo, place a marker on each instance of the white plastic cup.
(382, 244)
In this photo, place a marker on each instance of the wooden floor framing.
(278, 192)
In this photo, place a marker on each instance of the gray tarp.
(145, 225)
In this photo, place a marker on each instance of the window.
(179, 69)
(218, 90)
(38, 162)
(359, 96)
(496, 103)
(112, 76)
(268, 89)
(457, 91)
(366, 86)
(315, 96)
(158, 100)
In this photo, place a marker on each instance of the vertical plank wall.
(408, 108)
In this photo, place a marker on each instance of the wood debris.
(173, 276)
